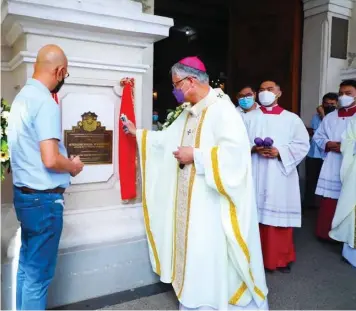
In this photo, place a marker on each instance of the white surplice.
(277, 181)
(349, 253)
(330, 129)
(344, 222)
(243, 112)
(201, 221)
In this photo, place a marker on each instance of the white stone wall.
(352, 33)
(320, 72)
(350, 71)
(105, 41)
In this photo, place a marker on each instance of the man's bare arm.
(52, 159)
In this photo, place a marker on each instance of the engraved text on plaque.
(89, 140)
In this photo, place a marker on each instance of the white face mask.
(346, 101)
(266, 98)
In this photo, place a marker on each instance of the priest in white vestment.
(343, 227)
(198, 201)
(328, 138)
(274, 165)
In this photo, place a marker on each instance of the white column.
(103, 43)
(350, 71)
(321, 73)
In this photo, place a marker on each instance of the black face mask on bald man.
(58, 87)
(329, 109)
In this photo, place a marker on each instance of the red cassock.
(277, 242)
(127, 144)
(325, 218)
(277, 246)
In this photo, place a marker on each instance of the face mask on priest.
(190, 81)
(269, 93)
(181, 89)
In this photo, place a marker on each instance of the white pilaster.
(105, 41)
(320, 72)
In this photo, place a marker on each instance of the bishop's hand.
(129, 127)
(184, 155)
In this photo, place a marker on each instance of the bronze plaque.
(89, 140)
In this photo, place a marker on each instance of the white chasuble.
(201, 220)
(344, 223)
(277, 181)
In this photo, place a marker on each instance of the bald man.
(274, 166)
(41, 172)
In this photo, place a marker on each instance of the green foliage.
(5, 157)
(173, 115)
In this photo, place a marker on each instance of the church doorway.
(241, 43)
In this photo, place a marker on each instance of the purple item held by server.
(258, 142)
(268, 142)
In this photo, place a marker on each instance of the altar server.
(279, 142)
(328, 138)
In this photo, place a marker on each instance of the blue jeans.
(41, 218)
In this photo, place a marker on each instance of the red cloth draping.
(55, 97)
(277, 246)
(127, 144)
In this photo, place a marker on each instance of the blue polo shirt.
(34, 117)
(315, 151)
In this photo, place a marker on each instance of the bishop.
(198, 200)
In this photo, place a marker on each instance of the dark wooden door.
(265, 44)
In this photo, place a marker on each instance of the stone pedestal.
(321, 72)
(105, 41)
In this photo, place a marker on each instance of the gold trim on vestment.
(179, 264)
(238, 294)
(235, 225)
(144, 203)
(175, 206)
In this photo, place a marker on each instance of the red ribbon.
(55, 97)
(127, 144)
